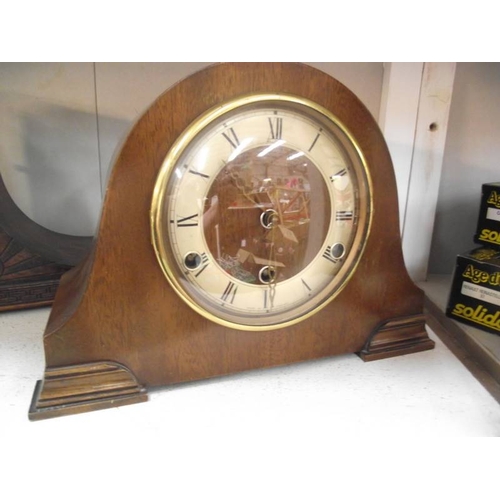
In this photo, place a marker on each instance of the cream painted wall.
(471, 158)
(60, 124)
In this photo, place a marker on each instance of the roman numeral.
(276, 125)
(315, 139)
(198, 173)
(186, 221)
(344, 215)
(338, 175)
(204, 263)
(327, 254)
(231, 137)
(229, 293)
(306, 287)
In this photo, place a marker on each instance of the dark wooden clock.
(32, 258)
(251, 220)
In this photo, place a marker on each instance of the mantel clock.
(250, 221)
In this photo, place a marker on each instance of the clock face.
(261, 211)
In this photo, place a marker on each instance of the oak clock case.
(250, 221)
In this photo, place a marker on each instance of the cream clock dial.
(261, 211)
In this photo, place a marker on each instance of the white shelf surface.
(271, 423)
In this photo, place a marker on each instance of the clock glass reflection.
(267, 214)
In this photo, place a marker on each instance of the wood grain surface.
(118, 306)
(32, 258)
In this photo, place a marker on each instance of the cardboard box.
(488, 224)
(475, 290)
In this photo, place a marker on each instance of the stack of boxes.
(475, 290)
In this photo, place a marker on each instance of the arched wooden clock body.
(250, 221)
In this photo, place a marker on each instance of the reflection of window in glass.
(253, 185)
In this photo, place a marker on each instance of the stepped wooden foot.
(75, 389)
(397, 337)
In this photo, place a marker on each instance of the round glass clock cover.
(261, 211)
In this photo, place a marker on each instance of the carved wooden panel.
(32, 258)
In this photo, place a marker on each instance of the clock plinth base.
(397, 337)
(69, 390)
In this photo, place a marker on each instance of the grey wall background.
(471, 158)
(60, 124)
